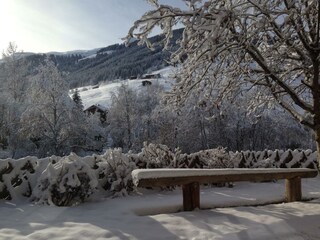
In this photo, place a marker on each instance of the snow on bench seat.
(190, 179)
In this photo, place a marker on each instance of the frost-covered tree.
(52, 120)
(167, 126)
(16, 71)
(96, 133)
(197, 127)
(148, 98)
(271, 48)
(77, 99)
(12, 97)
(122, 116)
(130, 116)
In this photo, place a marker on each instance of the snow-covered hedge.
(69, 180)
(276, 159)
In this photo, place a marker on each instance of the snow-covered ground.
(102, 95)
(154, 214)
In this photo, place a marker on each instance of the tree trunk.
(317, 137)
(316, 102)
(128, 119)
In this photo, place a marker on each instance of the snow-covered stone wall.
(69, 180)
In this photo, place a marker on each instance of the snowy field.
(102, 94)
(154, 214)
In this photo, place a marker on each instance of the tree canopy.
(231, 46)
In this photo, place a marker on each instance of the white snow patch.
(95, 55)
(89, 57)
(102, 94)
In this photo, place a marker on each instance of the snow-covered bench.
(190, 179)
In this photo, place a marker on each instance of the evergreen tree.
(77, 99)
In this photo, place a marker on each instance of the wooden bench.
(190, 180)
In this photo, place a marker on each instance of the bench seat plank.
(173, 177)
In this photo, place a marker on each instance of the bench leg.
(191, 196)
(293, 189)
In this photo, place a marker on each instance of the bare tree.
(52, 120)
(269, 47)
(130, 115)
(13, 90)
(16, 71)
(122, 115)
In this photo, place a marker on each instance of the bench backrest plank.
(172, 177)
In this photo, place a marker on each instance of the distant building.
(150, 76)
(133, 77)
(146, 83)
(97, 108)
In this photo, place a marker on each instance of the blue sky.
(63, 25)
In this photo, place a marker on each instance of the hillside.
(117, 61)
(101, 94)
(120, 62)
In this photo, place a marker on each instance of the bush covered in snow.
(114, 169)
(161, 156)
(17, 177)
(213, 158)
(157, 156)
(66, 182)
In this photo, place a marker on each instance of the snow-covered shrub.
(66, 182)
(238, 159)
(265, 163)
(5, 168)
(215, 158)
(157, 156)
(161, 156)
(114, 169)
(16, 177)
